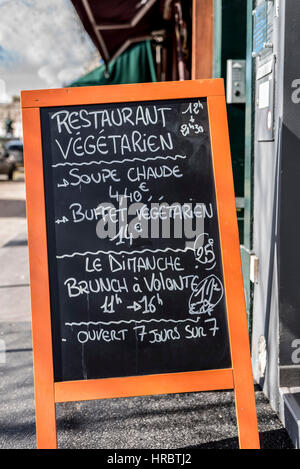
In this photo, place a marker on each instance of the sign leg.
(246, 413)
(46, 435)
(39, 282)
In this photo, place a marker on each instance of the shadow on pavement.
(273, 439)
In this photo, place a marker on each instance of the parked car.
(11, 157)
(7, 166)
(14, 148)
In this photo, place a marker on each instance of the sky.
(42, 45)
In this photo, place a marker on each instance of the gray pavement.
(182, 421)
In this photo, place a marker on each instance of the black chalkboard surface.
(136, 278)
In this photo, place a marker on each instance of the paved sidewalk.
(189, 420)
(14, 271)
(12, 208)
(181, 421)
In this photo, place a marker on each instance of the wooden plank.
(202, 39)
(120, 93)
(144, 385)
(39, 282)
(236, 310)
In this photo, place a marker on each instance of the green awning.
(135, 65)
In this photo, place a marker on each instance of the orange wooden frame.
(239, 377)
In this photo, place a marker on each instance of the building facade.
(11, 111)
(270, 158)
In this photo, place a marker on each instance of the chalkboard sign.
(149, 296)
(135, 271)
